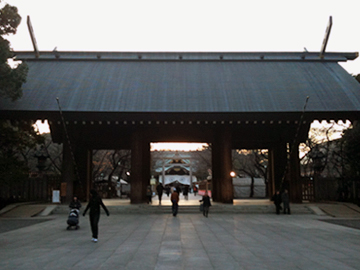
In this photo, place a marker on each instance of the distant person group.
(279, 199)
(96, 202)
(174, 193)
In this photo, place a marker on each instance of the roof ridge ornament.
(326, 38)
(32, 36)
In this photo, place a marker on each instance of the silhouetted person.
(159, 189)
(286, 202)
(195, 190)
(175, 202)
(277, 201)
(206, 204)
(75, 204)
(186, 192)
(178, 189)
(94, 206)
(149, 194)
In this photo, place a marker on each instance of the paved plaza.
(188, 241)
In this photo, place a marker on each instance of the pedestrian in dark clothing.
(277, 201)
(175, 202)
(195, 190)
(286, 201)
(75, 204)
(160, 190)
(149, 194)
(206, 204)
(186, 192)
(167, 190)
(94, 206)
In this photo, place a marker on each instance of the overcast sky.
(190, 25)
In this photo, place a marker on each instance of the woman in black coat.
(206, 204)
(277, 201)
(94, 205)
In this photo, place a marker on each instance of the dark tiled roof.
(187, 82)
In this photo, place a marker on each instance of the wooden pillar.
(191, 174)
(278, 164)
(140, 167)
(89, 173)
(163, 171)
(222, 166)
(294, 183)
(271, 173)
(81, 174)
(146, 175)
(68, 175)
(215, 160)
(227, 190)
(83, 185)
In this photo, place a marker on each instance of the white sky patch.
(337, 128)
(177, 146)
(42, 127)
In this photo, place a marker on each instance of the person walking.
(75, 203)
(195, 190)
(94, 206)
(277, 201)
(159, 189)
(149, 194)
(167, 190)
(186, 192)
(286, 201)
(175, 202)
(206, 204)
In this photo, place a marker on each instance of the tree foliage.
(351, 147)
(53, 152)
(357, 77)
(11, 78)
(15, 138)
(322, 153)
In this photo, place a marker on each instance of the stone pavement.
(188, 241)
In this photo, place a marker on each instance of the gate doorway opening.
(250, 168)
(111, 172)
(184, 166)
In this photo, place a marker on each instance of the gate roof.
(130, 82)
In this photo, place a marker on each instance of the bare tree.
(252, 163)
(321, 155)
(109, 163)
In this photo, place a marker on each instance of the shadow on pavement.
(7, 225)
(351, 223)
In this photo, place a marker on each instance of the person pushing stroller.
(73, 218)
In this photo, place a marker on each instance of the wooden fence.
(30, 189)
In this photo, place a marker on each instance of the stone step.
(193, 209)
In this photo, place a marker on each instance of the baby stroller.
(73, 219)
